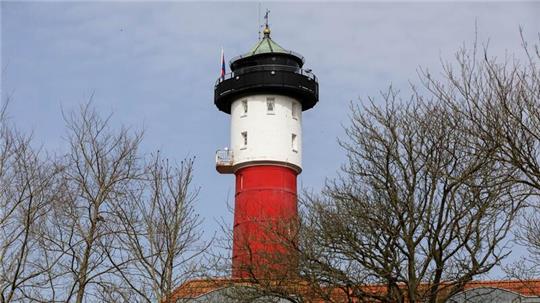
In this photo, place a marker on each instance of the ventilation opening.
(270, 105)
(244, 139)
(244, 107)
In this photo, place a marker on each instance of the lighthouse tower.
(265, 95)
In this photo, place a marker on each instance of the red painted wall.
(265, 220)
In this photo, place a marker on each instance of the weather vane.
(266, 17)
(266, 30)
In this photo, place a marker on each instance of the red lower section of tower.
(265, 222)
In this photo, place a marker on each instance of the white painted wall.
(269, 134)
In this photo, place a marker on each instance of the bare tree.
(27, 181)
(416, 208)
(96, 174)
(500, 102)
(97, 223)
(160, 236)
(120, 229)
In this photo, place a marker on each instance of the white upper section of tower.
(266, 128)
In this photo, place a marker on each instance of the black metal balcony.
(272, 79)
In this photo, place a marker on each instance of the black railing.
(280, 52)
(270, 68)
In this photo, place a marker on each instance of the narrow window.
(270, 104)
(245, 106)
(245, 138)
(294, 143)
(294, 110)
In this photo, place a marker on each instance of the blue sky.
(154, 64)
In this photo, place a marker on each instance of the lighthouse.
(265, 95)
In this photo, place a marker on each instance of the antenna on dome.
(259, 24)
(266, 30)
(266, 18)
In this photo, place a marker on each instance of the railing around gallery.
(224, 157)
(270, 68)
(281, 52)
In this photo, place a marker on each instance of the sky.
(154, 66)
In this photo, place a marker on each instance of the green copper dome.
(266, 45)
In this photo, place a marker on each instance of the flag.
(222, 65)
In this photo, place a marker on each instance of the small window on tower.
(244, 139)
(294, 110)
(270, 104)
(244, 107)
(294, 143)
